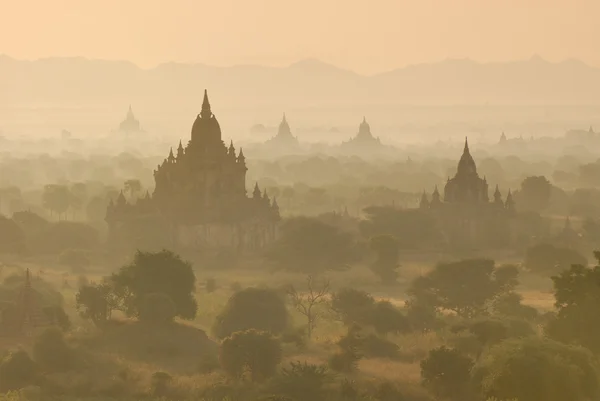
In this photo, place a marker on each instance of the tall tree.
(156, 273)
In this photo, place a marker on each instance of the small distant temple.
(465, 210)
(130, 124)
(284, 137)
(26, 314)
(200, 195)
(364, 140)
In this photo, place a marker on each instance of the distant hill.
(309, 84)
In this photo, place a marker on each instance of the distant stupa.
(130, 124)
(284, 135)
(364, 140)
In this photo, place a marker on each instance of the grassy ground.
(132, 350)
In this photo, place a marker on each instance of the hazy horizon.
(366, 40)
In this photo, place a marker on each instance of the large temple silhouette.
(200, 195)
(465, 212)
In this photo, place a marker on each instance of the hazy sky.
(365, 36)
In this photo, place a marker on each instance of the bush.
(446, 372)
(302, 382)
(346, 360)
(386, 318)
(262, 309)
(17, 370)
(256, 352)
(159, 384)
(157, 308)
(51, 351)
(375, 347)
(537, 370)
(352, 306)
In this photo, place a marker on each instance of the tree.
(446, 372)
(51, 351)
(77, 196)
(252, 351)
(534, 194)
(386, 264)
(161, 272)
(308, 303)
(252, 308)
(352, 306)
(56, 198)
(548, 259)
(310, 245)
(133, 187)
(157, 308)
(17, 370)
(466, 287)
(534, 369)
(386, 318)
(95, 302)
(577, 300)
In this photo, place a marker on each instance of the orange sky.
(365, 36)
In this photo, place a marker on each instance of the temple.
(364, 139)
(284, 137)
(130, 124)
(200, 195)
(465, 210)
(26, 314)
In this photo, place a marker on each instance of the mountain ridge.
(80, 80)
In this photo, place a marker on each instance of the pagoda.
(200, 194)
(130, 124)
(364, 139)
(284, 137)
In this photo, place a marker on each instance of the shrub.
(157, 308)
(533, 369)
(256, 352)
(346, 360)
(446, 372)
(262, 309)
(302, 382)
(375, 347)
(386, 318)
(17, 370)
(51, 351)
(159, 384)
(352, 306)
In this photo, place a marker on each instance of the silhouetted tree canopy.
(156, 273)
(548, 259)
(252, 351)
(466, 287)
(577, 296)
(252, 308)
(534, 194)
(534, 369)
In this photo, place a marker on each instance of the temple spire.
(466, 150)
(205, 113)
